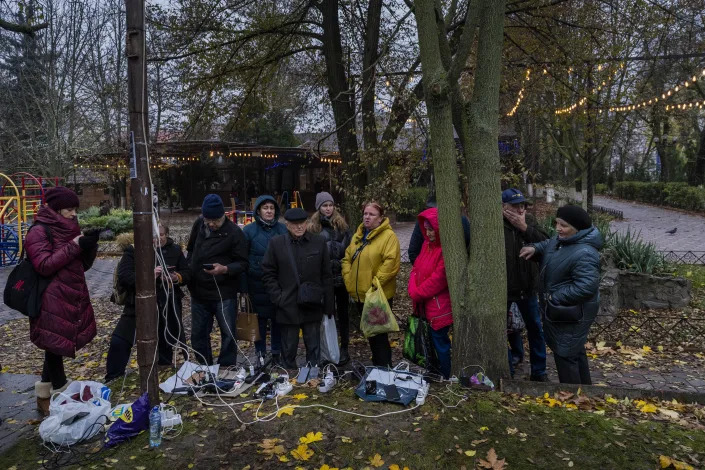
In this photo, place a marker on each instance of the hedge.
(117, 221)
(678, 195)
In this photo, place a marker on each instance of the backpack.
(25, 286)
(119, 295)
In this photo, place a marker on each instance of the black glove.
(92, 232)
(87, 243)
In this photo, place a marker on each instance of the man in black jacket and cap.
(300, 304)
(522, 281)
(217, 255)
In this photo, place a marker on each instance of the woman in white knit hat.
(329, 223)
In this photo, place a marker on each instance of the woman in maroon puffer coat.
(428, 288)
(66, 322)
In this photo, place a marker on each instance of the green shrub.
(413, 202)
(678, 195)
(631, 253)
(118, 220)
(600, 188)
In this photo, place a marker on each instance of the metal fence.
(684, 257)
(617, 214)
(650, 329)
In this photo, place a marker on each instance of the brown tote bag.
(247, 325)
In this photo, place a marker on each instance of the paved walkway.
(654, 222)
(17, 408)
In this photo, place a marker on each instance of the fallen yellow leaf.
(470, 453)
(346, 439)
(311, 437)
(376, 461)
(648, 408)
(326, 467)
(667, 462)
(283, 458)
(286, 410)
(300, 396)
(483, 429)
(302, 452)
(612, 400)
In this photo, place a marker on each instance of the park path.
(653, 223)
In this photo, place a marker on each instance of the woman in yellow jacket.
(373, 252)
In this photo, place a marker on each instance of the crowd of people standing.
(307, 267)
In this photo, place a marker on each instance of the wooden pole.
(141, 191)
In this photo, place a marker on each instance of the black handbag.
(25, 286)
(563, 313)
(309, 294)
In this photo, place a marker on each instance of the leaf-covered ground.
(456, 428)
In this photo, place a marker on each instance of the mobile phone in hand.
(208, 266)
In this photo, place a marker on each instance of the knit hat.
(296, 214)
(212, 207)
(322, 198)
(575, 216)
(61, 198)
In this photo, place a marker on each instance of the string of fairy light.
(582, 101)
(527, 77)
(651, 101)
(663, 96)
(163, 162)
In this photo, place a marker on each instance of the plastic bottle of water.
(155, 427)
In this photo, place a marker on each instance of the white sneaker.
(328, 383)
(422, 393)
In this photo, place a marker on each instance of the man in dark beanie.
(297, 273)
(520, 229)
(217, 256)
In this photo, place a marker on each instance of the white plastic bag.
(329, 350)
(76, 414)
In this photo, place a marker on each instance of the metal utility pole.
(141, 192)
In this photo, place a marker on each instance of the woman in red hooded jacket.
(65, 323)
(428, 288)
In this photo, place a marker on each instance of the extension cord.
(283, 388)
(328, 383)
(171, 422)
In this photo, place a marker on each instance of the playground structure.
(285, 203)
(244, 217)
(21, 196)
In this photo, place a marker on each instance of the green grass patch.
(696, 274)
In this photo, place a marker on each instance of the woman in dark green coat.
(570, 276)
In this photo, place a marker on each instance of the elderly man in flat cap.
(297, 273)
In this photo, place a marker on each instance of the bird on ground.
(672, 232)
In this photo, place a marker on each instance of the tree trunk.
(342, 100)
(484, 334)
(445, 169)
(697, 176)
(477, 284)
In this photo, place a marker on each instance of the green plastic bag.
(417, 344)
(377, 316)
